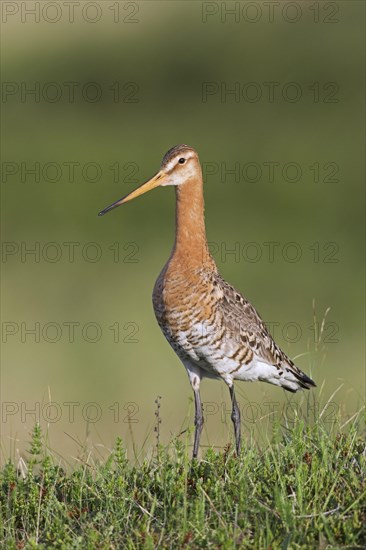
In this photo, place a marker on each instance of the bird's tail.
(293, 379)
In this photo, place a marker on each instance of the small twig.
(143, 509)
(351, 418)
(147, 512)
(214, 508)
(269, 509)
(329, 400)
(328, 513)
(157, 423)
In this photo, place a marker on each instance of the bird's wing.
(242, 319)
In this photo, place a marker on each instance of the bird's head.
(179, 165)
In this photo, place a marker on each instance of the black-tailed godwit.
(213, 329)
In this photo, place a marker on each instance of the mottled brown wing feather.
(241, 318)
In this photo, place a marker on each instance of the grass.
(304, 489)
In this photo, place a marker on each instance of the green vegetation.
(305, 489)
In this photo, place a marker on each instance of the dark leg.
(235, 417)
(198, 422)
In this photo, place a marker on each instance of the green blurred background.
(161, 54)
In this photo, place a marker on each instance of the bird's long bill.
(155, 181)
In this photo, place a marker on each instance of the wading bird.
(213, 329)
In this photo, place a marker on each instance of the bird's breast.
(188, 308)
(183, 300)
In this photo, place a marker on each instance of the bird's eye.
(182, 160)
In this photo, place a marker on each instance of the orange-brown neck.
(190, 247)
